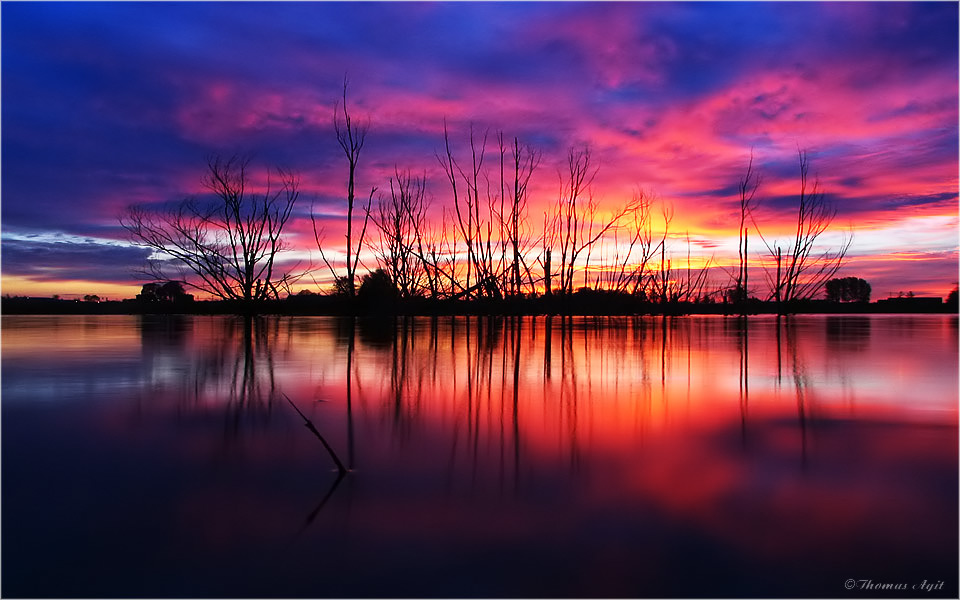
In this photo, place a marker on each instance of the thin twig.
(309, 425)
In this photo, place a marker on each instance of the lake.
(486, 457)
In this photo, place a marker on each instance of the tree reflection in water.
(223, 364)
(484, 361)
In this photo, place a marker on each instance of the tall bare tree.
(799, 270)
(351, 137)
(474, 226)
(569, 212)
(548, 238)
(747, 189)
(225, 245)
(512, 215)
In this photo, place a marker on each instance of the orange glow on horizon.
(68, 289)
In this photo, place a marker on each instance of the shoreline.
(578, 305)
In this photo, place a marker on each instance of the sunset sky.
(105, 105)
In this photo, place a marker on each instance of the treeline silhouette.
(584, 301)
(484, 247)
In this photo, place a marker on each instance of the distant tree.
(952, 299)
(847, 289)
(91, 298)
(377, 286)
(170, 291)
(174, 291)
(229, 242)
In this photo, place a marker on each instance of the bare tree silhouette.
(574, 223)
(230, 242)
(475, 228)
(401, 220)
(630, 265)
(351, 137)
(799, 272)
(524, 160)
(747, 190)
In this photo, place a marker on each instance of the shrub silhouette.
(848, 289)
(952, 299)
(377, 289)
(170, 291)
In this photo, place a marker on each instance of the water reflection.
(225, 366)
(848, 333)
(481, 456)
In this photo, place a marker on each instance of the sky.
(106, 105)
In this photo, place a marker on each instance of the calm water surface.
(698, 456)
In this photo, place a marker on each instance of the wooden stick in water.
(309, 425)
